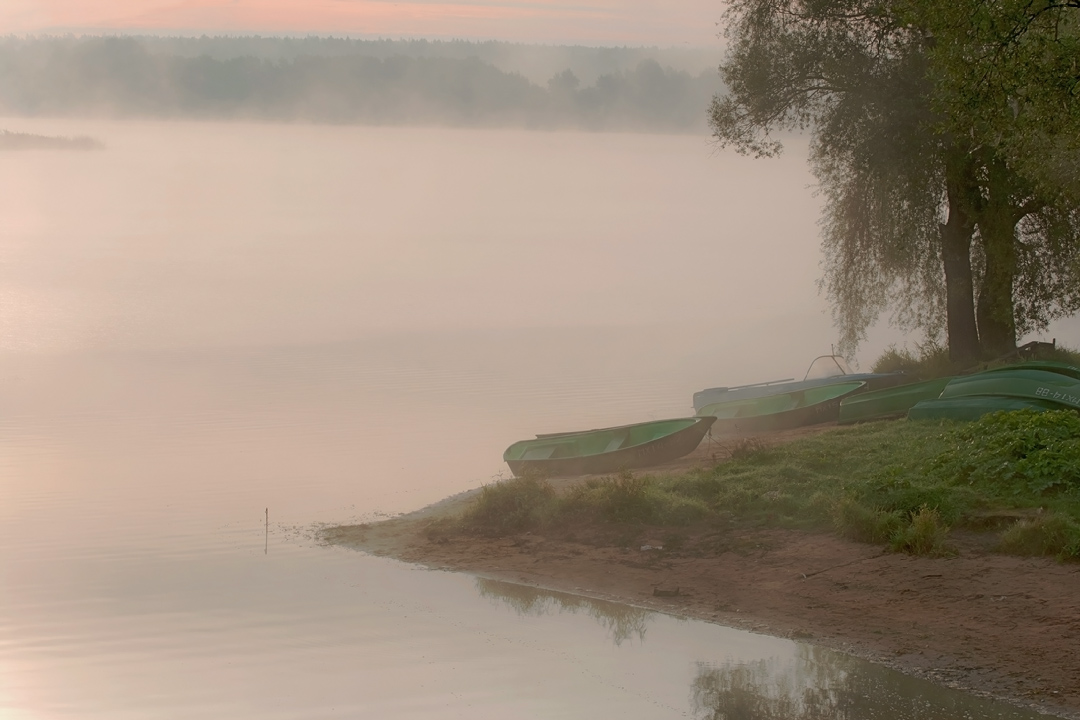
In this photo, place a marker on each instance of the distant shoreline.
(27, 141)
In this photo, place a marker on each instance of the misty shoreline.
(323, 80)
(28, 141)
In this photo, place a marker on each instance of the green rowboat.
(607, 450)
(781, 411)
(974, 407)
(890, 402)
(1029, 385)
(1039, 385)
(1045, 365)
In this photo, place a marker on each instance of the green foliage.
(1062, 354)
(925, 534)
(932, 361)
(1049, 534)
(1021, 453)
(633, 500)
(1006, 70)
(510, 506)
(901, 484)
(910, 102)
(856, 521)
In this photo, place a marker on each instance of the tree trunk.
(997, 326)
(997, 221)
(956, 236)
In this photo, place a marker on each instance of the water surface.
(202, 323)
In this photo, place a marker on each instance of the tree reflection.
(819, 683)
(622, 622)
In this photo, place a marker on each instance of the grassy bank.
(902, 484)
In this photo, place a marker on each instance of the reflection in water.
(819, 683)
(622, 622)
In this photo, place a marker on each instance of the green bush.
(1024, 452)
(1050, 534)
(896, 359)
(1062, 354)
(858, 522)
(510, 506)
(932, 361)
(633, 500)
(925, 535)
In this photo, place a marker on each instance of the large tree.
(1006, 76)
(906, 188)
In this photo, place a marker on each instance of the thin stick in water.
(266, 542)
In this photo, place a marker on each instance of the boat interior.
(783, 402)
(594, 442)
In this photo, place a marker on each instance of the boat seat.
(616, 443)
(540, 453)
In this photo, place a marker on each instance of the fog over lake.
(202, 322)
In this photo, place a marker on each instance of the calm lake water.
(204, 321)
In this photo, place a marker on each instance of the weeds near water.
(926, 534)
(901, 484)
(1050, 534)
(858, 522)
(510, 506)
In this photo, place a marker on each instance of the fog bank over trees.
(332, 80)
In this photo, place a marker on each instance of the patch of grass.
(925, 534)
(746, 448)
(858, 522)
(631, 499)
(901, 484)
(1049, 534)
(511, 506)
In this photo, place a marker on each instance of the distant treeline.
(25, 141)
(161, 77)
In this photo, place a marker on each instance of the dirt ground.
(991, 624)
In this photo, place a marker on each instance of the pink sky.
(602, 22)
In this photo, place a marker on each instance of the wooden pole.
(266, 541)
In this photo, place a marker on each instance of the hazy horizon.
(600, 22)
(337, 81)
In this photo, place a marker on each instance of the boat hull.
(1037, 385)
(713, 396)
(638, 455)
(781, 411)
(890, 402)
(974, 407)
(1026, 386)
(1042, 365)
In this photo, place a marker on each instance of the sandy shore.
(991, 624)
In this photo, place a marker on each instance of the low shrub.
(633, 500)
(926, 534)
(746, 448)
(1024, 452)
(932, 361)
(1049, 534)
(511, 506)
(858, 522)
(896, 359)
